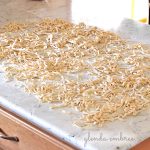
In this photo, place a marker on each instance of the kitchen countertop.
(116, 135)
(120, 135)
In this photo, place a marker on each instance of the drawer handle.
(6, 137)
(11, 138)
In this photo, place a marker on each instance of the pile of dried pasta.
(78, 66)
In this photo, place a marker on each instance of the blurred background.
(106, 12)
(103, 13)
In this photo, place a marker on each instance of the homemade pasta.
(83, 67)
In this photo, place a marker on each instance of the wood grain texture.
(30, 137)
(145, 145)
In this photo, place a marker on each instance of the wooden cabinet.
(30, 137)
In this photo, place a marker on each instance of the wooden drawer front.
(30, 138)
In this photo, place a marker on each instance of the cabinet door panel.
(30, 137)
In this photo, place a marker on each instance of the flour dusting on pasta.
(83, 67)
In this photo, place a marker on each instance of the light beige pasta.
(78, 66)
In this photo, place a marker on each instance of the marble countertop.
(118, 135)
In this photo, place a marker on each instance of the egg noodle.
(94, 71)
